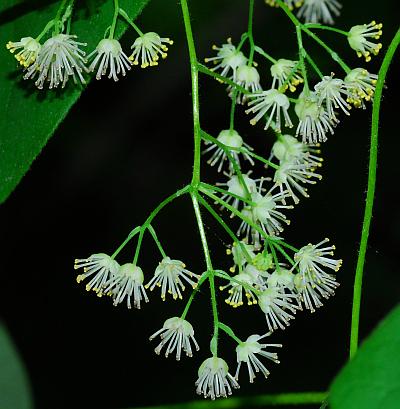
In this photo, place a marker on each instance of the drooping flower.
(228, 58)
(359, 39)
(286, 72)
(277, 307)
(28, 50)
(291, 175)
(240, 283)
(231, 139)
(315, 11)
(266, 213)
(282, 278)
(148, 48)
(258, 275)
(272, 104)
(313, 258)
(310, 292)
(247, 352)
(249, 79)
(178, 334)
(127, 283)
(100, 267)
(109, 56)
(289, 149)
(361, 85)
(170, 276)
(314, 121)
(235, 186)
(59, 58)
(332, 92)
(290, 3)
(214, 379)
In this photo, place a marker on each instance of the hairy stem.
(369, 203)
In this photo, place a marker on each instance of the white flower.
(169, 276)
(231, 139)
(147, 49)
(290, 3)
(59, 58)
(313, 282)
(277, 307)
(240, 282)
(282, 278)
(272, 103)
(314, 121)
(214, 379)
(127, 283)
(312, 257)
(246, 352)
(249, 79)
(310, 292)
(289, 149)
(286, 72)
(109, 56)
(332, 91)
(266, 212)
(101, 267)
(315, 11)
(228, 59)
(29, 50)
(258, 275)
(235, 186)
(359, 36)
(361, 85)
(178, 333)
(238, 254)
(289, 177)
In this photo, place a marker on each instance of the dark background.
(126, 146)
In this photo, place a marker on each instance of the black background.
(126, 146)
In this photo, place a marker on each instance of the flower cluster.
(61, 57)
(126, 282)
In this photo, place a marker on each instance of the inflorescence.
(266, 273)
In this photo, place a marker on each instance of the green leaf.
(29, 117)
(14, 386)
(372, 379)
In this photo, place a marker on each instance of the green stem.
(114, 21)
(47, 27)
(233, 108)
(155, 238)
(369, 203)
(304, 28)
(250, 32)
(130, 236)
(124, 14)
(225, 227)
(313, 65)
(213, 188)
(210, 269)
(195, 93)
(153, 214)
(332, 53)
(194, 292)
(203, 69)
(322, 27)
(229, 331)
(301, 57)
(282, 399)
(260, 51)
(57, 18)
